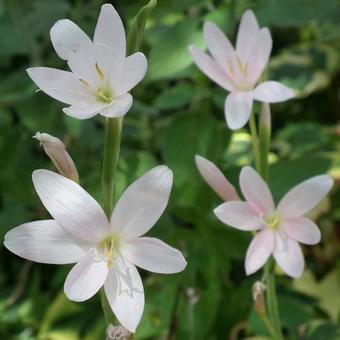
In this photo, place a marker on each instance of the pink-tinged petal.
(237, 109)
(119, 106)
(71, 206)
(305, 196)
(86, 277)
(239, 215)
(68, 38)
(85, 109)
(60, 85)
(125, 293)
(272, 92)
(211, 68)
(134, 71)
(302, 230)
(45, 242)
(142, 203)
(153, 255)
(259, 57)
(256, 191)
(259, 250)
(218, 44)
(246, 36)
(290, 258)
(216, 180)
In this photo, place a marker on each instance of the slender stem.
(254, 140)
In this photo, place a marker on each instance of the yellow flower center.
(272, 221)
(110, 246)
(104, 95)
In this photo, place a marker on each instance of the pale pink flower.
(101, 76)
(105, 251)
(238, 70)
(279, 229)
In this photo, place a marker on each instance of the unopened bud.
(258, 297)
(56, 151)
(118, 333)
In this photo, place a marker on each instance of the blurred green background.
(177, 113)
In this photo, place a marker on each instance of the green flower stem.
(254, 140)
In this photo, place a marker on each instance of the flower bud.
(258, 297)
(56, 151)
(118, 333)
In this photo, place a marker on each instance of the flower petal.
(119, 107)
(272, 92)
(239, 215)
(85, 109)
(259, 250)
(68, 38)
(216, 180)
(71, 206)
(290, 258)
(60, 85)
(86, 277)
(134, 71)
(45, 242)
(153, 255)
(256, 191)
(218, 44)
(302, 230)
(142, 203)
(305, 196)
(125, 293)
(210, 68)
(237, 109)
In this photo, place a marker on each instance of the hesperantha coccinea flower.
(279, 229)
(101, 75)
(105, 251)
(239, 70)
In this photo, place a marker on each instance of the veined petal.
(60, 85)
(153, 255)
(210, 68)
(305, 196)
(45, 242)
(302, 230)
(272, 92)
(71, 206)
(237, 109)
(218, 44)
(142, 203)
(86, 277)
(239, 215)
(134, 71)
(216, 180)
(85, 109)
(290, 258)
(256, 191)
(119, 107)
(259, 250)
(68, 38)
(125, 293)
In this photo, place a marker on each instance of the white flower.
(238, 70)
(105, 252)
(101, 74)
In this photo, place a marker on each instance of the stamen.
(99, 72)
(85, 83)
(243, 68)
(230, 67)
(272, 221)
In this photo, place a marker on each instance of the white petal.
(60, 85)
(239, 215)
(85, 109)
(218, 44)
(45, 242)
(142, 203)
(290, 258)
(68, 38)
(302, 230)
(259, 250)
(272, 92)
(134, 71)
(237, 109)
(216, 180)
(256, 191)
(86, 277)
(246, 36)
(125, 293)
(119, 107)
(153, 255)
(210, 68)
(71, 206)
(305, 196)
